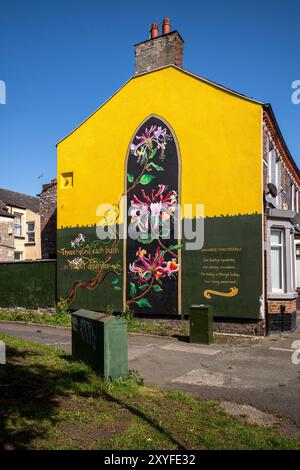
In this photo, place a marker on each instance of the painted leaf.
(117, 288)
(130, 178)
(146, 179)
(144, 286)
(157, 288)
(132, 289)
(175, 247)
(115, 281)
(152, 154)
(147, 276)
(146, 241)
(143, 303)
(156, 167)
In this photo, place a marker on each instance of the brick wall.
(274, 306)
(281, 314)
(159, 52)
(48, 220)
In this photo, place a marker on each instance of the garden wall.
(28, 284)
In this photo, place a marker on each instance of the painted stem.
(87, 285)
(141, 295)
(166, 249)
(92, 283)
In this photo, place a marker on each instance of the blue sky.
(60, 59)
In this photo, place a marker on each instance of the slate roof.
(20, 200)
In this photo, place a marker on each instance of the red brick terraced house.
(281, 228)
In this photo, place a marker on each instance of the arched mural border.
(124, 209)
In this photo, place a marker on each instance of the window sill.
(30, 244)
(282, 295)
(19, 237)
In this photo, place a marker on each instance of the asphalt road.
(260, 373)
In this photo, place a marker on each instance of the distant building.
(25, 239)
(6, 234)
(48, 220)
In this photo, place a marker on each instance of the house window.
(295, 194)
(18, 255)
(30, 232)
(277, 260)
(18, 224)
(274, 171)
(292, 197)
(270, 162)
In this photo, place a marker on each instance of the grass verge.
(49, 401)
(134, 325)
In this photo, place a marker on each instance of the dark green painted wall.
(232, 253)
(92, 251)
(230, 259)
(28, 284)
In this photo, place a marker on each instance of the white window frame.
(29, 232)
(18, 214)
(277, 182)
(282, 251)
(297, 245)
(270, 166)
(293, 262)
(293, 197)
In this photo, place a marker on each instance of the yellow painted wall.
(219, 136)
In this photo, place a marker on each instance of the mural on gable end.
(152, 266)
(94, 267)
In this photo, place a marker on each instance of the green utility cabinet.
(101, 341)
(201, 324)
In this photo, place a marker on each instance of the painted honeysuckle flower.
(172, 267)
(139, 214)
(150, 266)
(153, 138)
(79, 240)
(76, 263)
(157, 207)
(160, 133)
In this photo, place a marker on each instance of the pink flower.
(152, 138)
(157, 206)
(147, 267)
(140, 216)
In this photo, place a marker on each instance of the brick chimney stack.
(159, 51)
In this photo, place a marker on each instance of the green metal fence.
(28, 284)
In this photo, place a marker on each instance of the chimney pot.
(154, 30)
(166, 50)
(166, 26)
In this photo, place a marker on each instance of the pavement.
(256, 373)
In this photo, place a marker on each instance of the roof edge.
(187, 72)
(268, 108)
